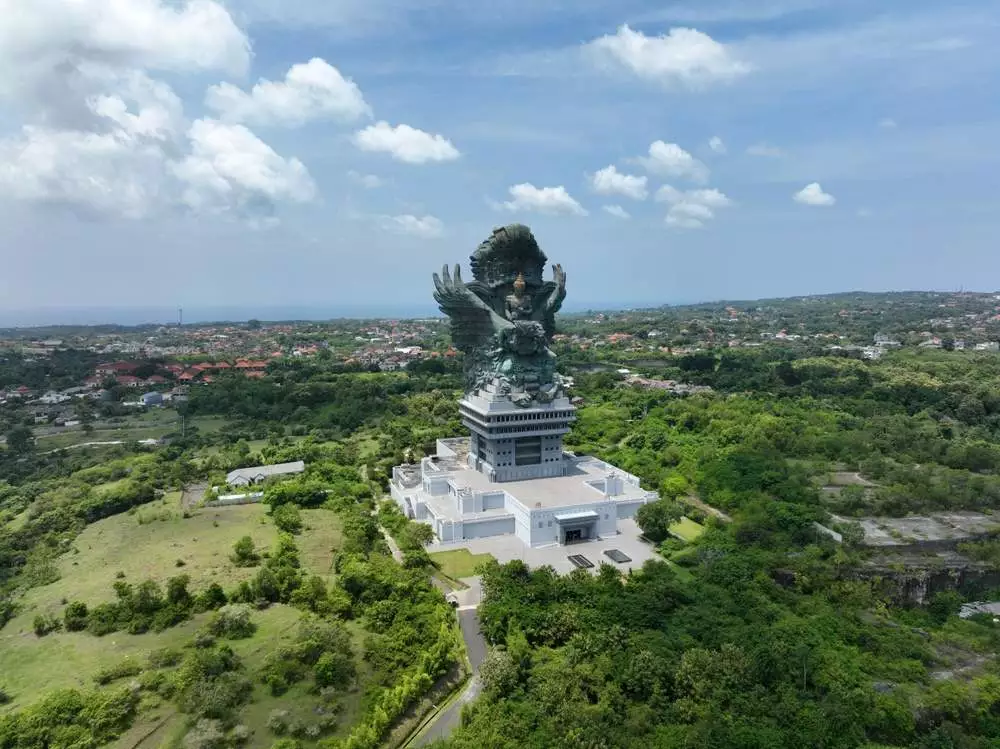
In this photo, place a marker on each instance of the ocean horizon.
(138, 316)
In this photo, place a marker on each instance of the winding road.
(448, 719)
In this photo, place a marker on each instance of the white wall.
(486, 528)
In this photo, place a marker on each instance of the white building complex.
(512, 477)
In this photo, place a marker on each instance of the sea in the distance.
(55, 316)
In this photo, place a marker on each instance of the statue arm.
(558, 291)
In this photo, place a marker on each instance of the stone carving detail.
(504, 320)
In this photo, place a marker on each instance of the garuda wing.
(473, 322)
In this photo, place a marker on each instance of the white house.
(256, 474)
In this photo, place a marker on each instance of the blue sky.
(881, 117)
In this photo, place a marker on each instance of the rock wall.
(915, 584)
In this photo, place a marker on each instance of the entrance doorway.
(575, 535)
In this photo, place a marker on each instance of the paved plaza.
(507, 548)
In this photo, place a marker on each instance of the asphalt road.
(449, 718)
(475, 645)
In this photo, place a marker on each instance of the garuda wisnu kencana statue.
(504, 320)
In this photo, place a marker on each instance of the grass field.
(32, 666)
(459, 563)
(147, 544)
(320, 539)
(151, 424)
(686, 529)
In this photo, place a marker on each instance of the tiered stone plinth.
(512, 443)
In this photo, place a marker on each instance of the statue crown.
(510, 251)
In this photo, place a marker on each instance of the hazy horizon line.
(140, 316)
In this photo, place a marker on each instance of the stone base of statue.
(513, 443)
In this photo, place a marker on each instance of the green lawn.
(32, 666)
(149, 549)
(459, 563)
(686, 529)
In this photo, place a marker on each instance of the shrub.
(206, 734)
(233, 621)
(287, 518)
(282, 669)
(45, 623)
(4, 696)
(212, 597)
(244, 553)
(118, 671)
(277, 721)
(75, 616)
(164, 658)
(334, 670)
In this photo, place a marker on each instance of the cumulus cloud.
(425, 227)
(310, 91)
(44, 42)
(370, 181)
(812, 194)
(405, 143)
(551, 200)
(670, 160)
(92, 173)
(103, 138)
(690, 209)
(765, 150)
(716, 144)
(609, 181)
(685, 57)
(616, 210)
(231, 169)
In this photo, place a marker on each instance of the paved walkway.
(448, 719)
(507, 548)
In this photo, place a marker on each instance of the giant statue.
(504, 320)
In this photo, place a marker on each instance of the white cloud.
(312, 90)
(405, 143)
(45, 40)
(551, 200)
(616, 210)
(765, 150)
(425, 227)
(670, 160)
(682, 56)
(888, 124)
(692, 208)
(231, 169)
(96, 174)
(609, 181)
(864, 213)
(369, 181)
(812, 194)
(716, 144)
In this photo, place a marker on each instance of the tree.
(20, 440)
(287, 518)
(656, 518)
(245, 553)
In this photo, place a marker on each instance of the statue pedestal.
(512, 443)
